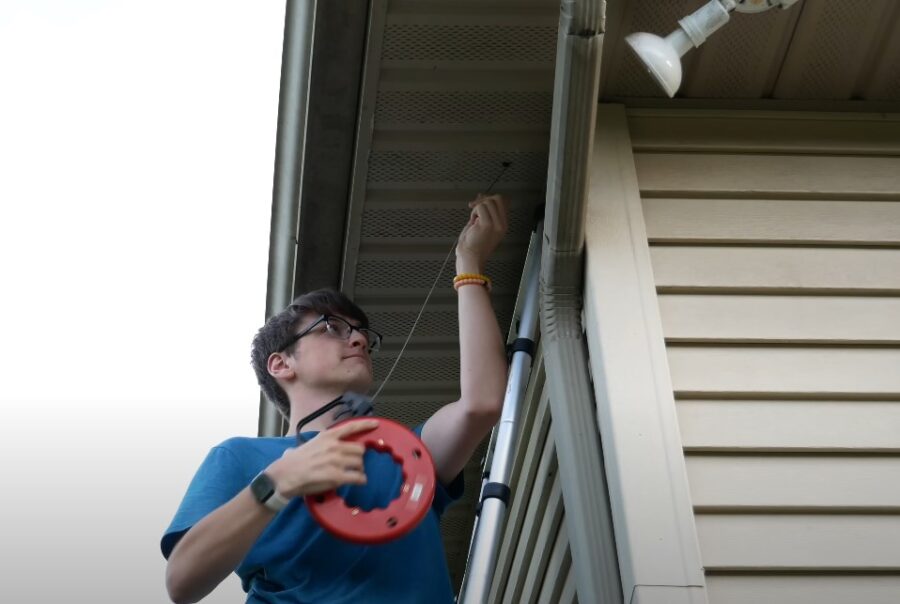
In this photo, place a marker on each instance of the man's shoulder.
(251, 446)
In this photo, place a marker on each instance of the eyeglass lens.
(343, 329)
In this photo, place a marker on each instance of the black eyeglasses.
(339, 328)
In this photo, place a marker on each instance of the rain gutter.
(574, 423)
(289, 150)
(323, 55)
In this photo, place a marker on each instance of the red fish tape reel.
(381, 525)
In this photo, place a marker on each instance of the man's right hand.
(214, 547)
(322, 464)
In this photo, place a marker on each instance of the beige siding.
(803, 371)
(803, 589)
(777, 269)
(649, 496)
(777, 319)
(798, 482)
(772, 221)
(775, 243)
(763, 132)
(786, 425)
(791, 542)
(768, 176)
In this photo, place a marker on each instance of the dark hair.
(279, 329)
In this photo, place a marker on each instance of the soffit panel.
(844, 50)
(454, 90)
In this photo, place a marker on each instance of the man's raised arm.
(453, 433)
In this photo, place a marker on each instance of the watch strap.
(263, 489)
(276, 502)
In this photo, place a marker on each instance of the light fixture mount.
(758, 6)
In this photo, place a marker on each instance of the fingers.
(344, 466)
(481, 198)
(333, 480)
(352, 462)
(493, 210)
(352, 451)
(347, 468)
(482, 212)
(353, 478)
(500, 201)
(326, 462)
(353, 427)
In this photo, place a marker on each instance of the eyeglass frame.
(373, 347)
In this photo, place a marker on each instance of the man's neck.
(305, 404)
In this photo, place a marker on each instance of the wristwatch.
(263, 489)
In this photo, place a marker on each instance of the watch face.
(262, 488)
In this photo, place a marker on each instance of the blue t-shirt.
(295, 560)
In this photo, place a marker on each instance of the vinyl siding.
(775, 246)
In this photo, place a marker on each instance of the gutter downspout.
(289, 149)
(574, 423)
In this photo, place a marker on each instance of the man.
(244, 509)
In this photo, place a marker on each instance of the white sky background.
(137, 143)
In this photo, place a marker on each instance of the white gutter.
(289, 149)
(574, 423)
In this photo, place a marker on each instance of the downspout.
(574, 422)
(289, 149)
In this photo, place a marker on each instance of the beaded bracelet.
(457, 283)
(479, 276)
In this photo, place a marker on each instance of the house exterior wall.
(653, 521)
(774, 244)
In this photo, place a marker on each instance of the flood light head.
(661, 57)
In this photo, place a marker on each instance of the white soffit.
(834, 51)
(452, 89)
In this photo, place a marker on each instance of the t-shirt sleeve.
(445, 494)
(219, 478)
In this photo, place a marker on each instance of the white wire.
(505, 165)
(416, 322)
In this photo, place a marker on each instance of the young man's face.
(324, 359)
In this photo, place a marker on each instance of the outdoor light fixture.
(662, 56)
